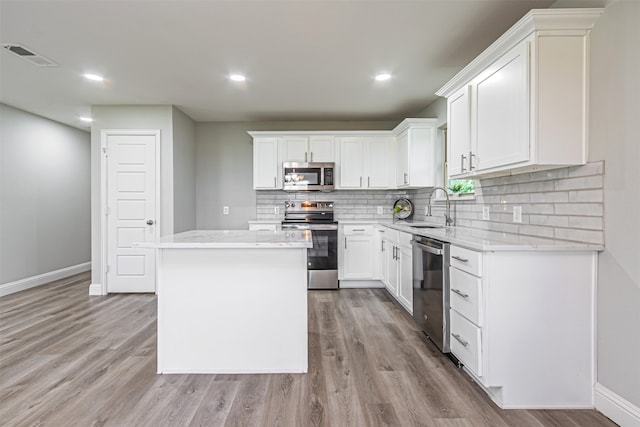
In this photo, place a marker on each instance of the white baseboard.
(41, 279)
(353, 284)
(95, 289)
(615, 407)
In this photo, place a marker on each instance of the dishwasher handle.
(430, 249)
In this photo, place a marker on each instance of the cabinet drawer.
(466, 260)
(466, 342)
(404, 239)
(465, 296)
(350, 230)
(263, 227)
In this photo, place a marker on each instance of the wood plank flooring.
(68, 359)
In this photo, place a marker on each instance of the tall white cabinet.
(522, 105)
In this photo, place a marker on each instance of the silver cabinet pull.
(312, 156)
(275, 182)
(345, 243)
(149, 222)
(406, 178)
(462, 157)
(368, 181)
(460, 340)
(471, 156)
(360, 181)
(459, 258)
(358, 229)
(462, 294)
(305, 157)
(382, 242)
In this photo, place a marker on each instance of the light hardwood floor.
(68, 359)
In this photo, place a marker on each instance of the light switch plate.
(517, 214)
(379, 210)
(485, 213)
(225, 210)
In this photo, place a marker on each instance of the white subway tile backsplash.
(586, 209)
(561, 203)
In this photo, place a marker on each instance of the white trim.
(615, 407)
(101, 288)
(95, 289)
(41, 279)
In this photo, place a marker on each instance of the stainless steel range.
(322, 259)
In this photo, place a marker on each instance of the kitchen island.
(232, 301)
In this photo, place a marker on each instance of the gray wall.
(184, 172)
(44, 195)
(615, 67)
(224, 167)
(129, 117)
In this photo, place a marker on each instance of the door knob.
(149, 222)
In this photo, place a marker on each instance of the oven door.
(324, 254)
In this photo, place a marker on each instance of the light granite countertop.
(485, 240)
(232, 239)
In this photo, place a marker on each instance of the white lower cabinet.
(398, 260)
(522, 324)
(356, 253)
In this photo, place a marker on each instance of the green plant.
(462, 186)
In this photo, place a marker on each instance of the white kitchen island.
(232, 301)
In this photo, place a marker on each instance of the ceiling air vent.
(29, 55)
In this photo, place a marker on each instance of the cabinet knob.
(149, 222)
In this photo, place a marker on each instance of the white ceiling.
(304, 60)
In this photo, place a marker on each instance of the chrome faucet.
(447, 214)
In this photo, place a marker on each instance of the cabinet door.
(392, 268)
(358, 257)
(321, 149)
(402, 159)
(265, 164)
(377, 158)
(458, 132)
(295, 149)
(405, 282)
(351, 162)
(501, 99)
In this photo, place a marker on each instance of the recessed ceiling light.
(383, 76)
(86, 119)
(94, 77)
(237, 77)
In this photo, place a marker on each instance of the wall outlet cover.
(517, 214)
(379, 210)
(485, 213)
(276, 210)
(225, 210)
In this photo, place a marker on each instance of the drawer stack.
(465, 273)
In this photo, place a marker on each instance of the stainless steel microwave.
(308, 176)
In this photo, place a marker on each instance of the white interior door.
(131, 211)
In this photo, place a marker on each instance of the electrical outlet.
(225, 210)
(517, 214)
(379, 210)
(276, 210)
(485, 213)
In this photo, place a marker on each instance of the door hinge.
(105, 150)
(107, 269)
(107, 211)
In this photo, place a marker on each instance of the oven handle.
(426, 248)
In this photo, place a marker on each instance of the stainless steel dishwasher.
(431, 289)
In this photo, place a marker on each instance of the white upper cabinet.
(458, 132)
(365, 162)
(267, 173)
(308, 148)
(415, 153)
(522, 104)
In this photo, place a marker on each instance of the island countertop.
(232, 239)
